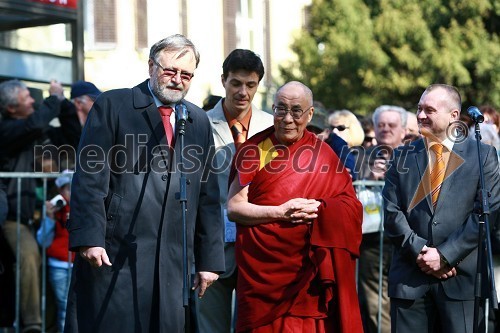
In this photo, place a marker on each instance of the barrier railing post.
(359, 186)
(44, 260)
(380, 271)
(18, 256)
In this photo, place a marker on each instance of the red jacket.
(59, 247)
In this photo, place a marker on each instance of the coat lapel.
(144, 103)
(422, 192)
(219, 125)
(260, 121)
(456, 159)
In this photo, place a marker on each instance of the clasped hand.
(300, 210)
(430, 263)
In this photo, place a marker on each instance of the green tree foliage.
(358, 54)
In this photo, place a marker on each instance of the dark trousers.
(7, 283)
(214, 311)
(434, 312)
(30, 263)
(368, 283)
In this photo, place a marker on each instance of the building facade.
(119, 33)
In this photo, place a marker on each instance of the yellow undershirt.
(267, 152)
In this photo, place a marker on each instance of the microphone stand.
(182, 197)
(483, 241)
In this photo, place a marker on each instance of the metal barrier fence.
(369, 192)
(44, 178)
(361, 187)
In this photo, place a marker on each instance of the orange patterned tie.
(437, 173)
(165, 112)
(238, 135)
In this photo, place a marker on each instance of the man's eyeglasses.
(339, 127)
(296, 113)
(171, 72)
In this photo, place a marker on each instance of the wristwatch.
(443, 259)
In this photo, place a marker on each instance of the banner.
(73, 4)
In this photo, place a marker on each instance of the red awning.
(61, 3)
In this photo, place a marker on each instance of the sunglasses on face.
(339, 127)
(369, 138)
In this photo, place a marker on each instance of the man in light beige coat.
(234, 119)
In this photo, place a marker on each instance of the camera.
(380, 153)
(58, 201)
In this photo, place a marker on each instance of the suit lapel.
(143, 102)
(219, 125)
(258, 122)
(156, 124)
(453, 171)
(422, 192)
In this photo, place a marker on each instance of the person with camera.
(54, 237)
(390, 129)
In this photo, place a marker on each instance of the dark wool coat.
(124, 199)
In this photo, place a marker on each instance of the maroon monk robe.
(298, 269)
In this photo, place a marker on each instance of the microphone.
(181, 112)
(475, 114)
(181, 116)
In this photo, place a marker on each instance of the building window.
(141, 41)
(230, 9)
(100, 23)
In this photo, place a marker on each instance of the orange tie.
(238, 135)
(437, 173)
(165, 112)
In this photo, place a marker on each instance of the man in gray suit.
(431, 219)
(233, 119)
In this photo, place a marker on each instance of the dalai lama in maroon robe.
(299, 227)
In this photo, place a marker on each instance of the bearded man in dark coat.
(126, 222)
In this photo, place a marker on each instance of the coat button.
(164, 178)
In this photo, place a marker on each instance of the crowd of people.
(250, 216)
(27, 136)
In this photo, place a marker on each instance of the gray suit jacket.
(225, 149)
(410, 221)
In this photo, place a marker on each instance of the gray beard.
(167, 97)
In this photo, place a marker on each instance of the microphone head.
(181, 112)
(475, 114)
